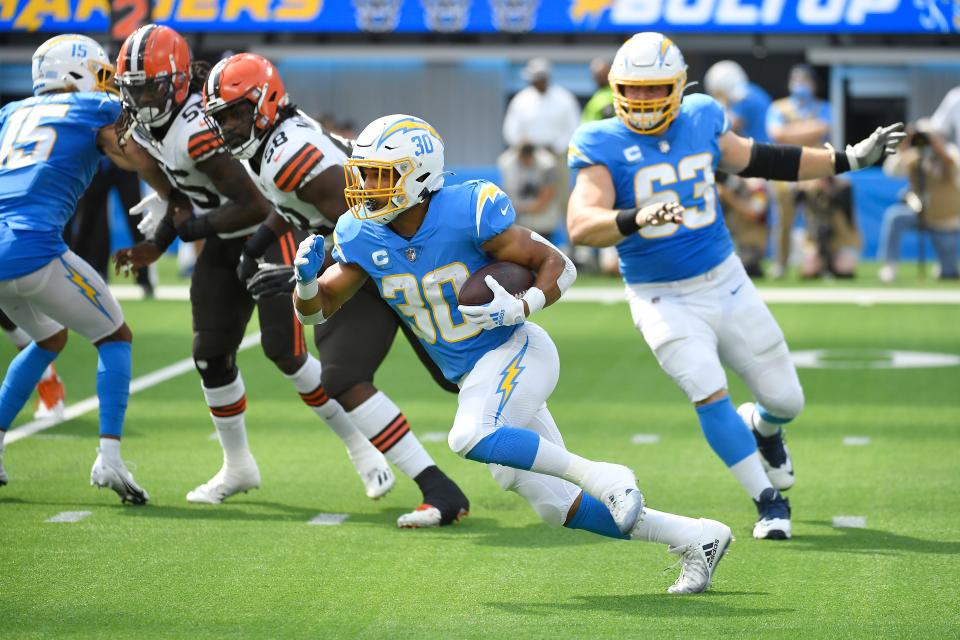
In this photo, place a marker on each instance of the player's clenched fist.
(659, 214)
(309, 258)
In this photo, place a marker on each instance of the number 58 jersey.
(421, 277)
(676, 166)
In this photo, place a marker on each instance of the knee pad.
(465, 434)
(218, 371)
(786, 404)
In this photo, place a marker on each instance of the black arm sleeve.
(774, 162)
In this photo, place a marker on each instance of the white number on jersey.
(26, 141)
(665, 174)
(426, 322)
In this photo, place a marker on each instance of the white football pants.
(696, 326)
(509, 386)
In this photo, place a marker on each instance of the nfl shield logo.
(664, 146)
(410, 253)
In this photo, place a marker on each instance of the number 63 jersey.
(421, 277)
(676, 166)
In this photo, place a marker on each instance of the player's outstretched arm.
(791, 163)
(318, 298)
(246, 206)
(592, 220)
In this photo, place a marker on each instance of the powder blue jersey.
(48, 156)
(421, 277)
(676, 166)
(752, 113)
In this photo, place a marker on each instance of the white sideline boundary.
(862, 296)
(137, 385)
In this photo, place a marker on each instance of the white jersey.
(298, 151)
(188, 141)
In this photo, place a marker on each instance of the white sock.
(18, 337)
(3, 434)
(110, 449)
(307, 383)
(228, 404)
(554, 460)
(763, 427)
(380, 420)
(667, 528)
(750, 474)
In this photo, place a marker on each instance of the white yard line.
(328, 519)
(865, 296)
(69, 516)
(137, 385)
(849, 522)
(856, 441)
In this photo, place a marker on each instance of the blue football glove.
(502, 311)
(309, 258)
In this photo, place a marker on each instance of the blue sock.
(24, 373)
(508, 446)
(726, 432)
(113, 386)
(592, 516)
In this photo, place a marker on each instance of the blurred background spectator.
(932, 202)
(946, 119)
(529, 176)
(746, 103)
(600, 104)
(832, 242)
(746, 204)
(799, 118)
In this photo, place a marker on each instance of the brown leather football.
(511, 276)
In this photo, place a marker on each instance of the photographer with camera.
(931, 204)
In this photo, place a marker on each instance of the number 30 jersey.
(297, 151)
(48, 156)
(187, 142)
(421, 277)
(676, 166)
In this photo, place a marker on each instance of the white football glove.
(504, 310)
(309, 258)
(881, 143)
(153, 208)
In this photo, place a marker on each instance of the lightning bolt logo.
(408, 124)
(509, 376)
(488, 193)
(88, 291)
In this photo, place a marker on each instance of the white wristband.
(313, 318)
(535, 300)
(308, 290)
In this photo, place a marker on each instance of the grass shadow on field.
(869, 541)
(647, 605)
(532, 536)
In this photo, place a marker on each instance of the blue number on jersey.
(677, 166)
(420, 277)
(48, 156)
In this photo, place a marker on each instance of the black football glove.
(271, 280)
(247, 268)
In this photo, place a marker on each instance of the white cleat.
(774, 520)
(114, 475)
(774, 454)
(616, 487)
(426, 516)
(229, 480)
(699, 559)
(375, 473)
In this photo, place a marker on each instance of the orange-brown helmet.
(153, 71)
(244, 80)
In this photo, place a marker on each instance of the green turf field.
(254, 568)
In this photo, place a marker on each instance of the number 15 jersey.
(676, 166)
